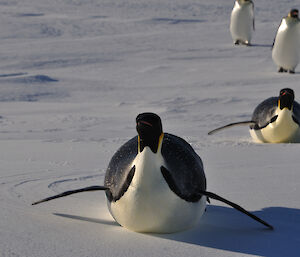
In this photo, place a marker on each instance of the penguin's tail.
(236, 206)
(91, 188)
(248, 122)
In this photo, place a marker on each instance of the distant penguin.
(275, 120)
(155, 182)
(286, 45)
(242, 22)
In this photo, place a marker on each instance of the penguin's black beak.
(294, 13)
(145, 129)
(149, 128)
(144, 123)
(286, 99)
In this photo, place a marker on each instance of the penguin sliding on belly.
(275, 120)
(155, 182)
(286, 45)
(242, 22)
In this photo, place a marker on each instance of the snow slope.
(73, 76)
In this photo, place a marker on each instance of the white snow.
(73, 76)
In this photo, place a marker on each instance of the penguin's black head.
(294, 13)
(286, 98)
(149, 128)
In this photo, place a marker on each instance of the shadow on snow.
(226, 229)
(100, 221)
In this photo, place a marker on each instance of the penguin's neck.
(147, 168)
(285, 116)
(242, 2)
(290, 21)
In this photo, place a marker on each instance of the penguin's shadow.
(94, 220)
(262, 45)
(226, 229)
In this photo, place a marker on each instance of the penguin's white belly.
(286, 48)
(283, 130)
(149, 205)
(241, 23)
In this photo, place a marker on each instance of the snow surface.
(73, 76)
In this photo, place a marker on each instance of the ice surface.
(74, 74)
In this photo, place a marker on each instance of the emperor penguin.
(286, 45)
(275, 120)
(242, 22)
(155, 182)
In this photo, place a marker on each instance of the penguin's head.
(294, 13)
(286, 98)
(149, 128)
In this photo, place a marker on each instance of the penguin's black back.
(187, 175)
(265, 111)
(184, 167)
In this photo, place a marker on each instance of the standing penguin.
(286, 45)
(155, 182)
(242, 22)
(275, 120)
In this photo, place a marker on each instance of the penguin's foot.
(242, 42)
(291, 71)
(282, 70)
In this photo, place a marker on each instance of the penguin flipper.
(276, 35)
(235, 206)
(91, 188)
(296, 120)
(250, 122)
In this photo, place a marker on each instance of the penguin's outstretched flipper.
(235, 206)
(250, 122)
(85, 189)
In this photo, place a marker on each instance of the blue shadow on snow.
(226, 229)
